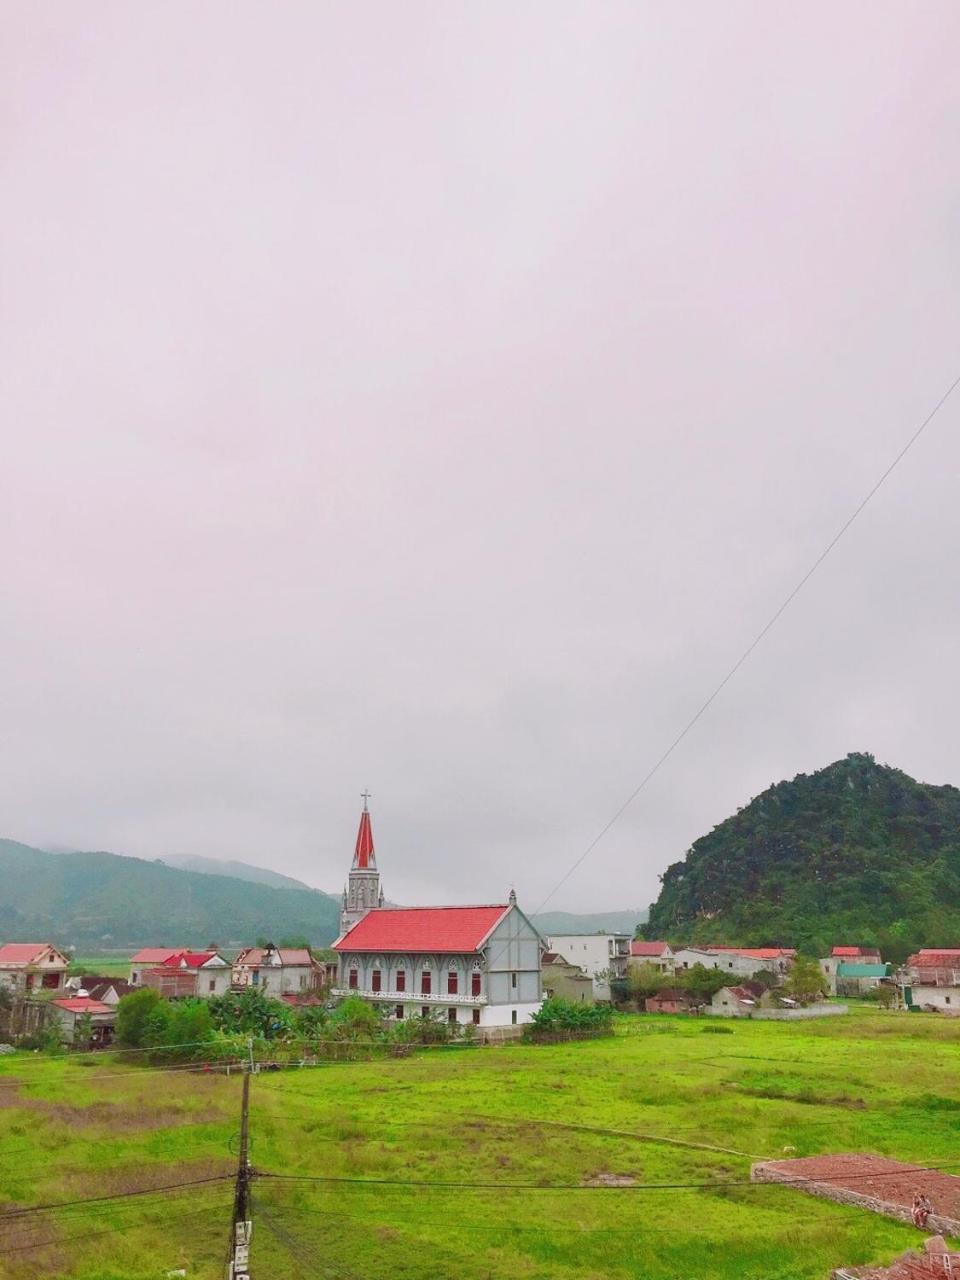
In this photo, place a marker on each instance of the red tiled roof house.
(658, 954)
(932, 980)
(278, 971)
(27, 968)
(71, 1009)
(181, 973)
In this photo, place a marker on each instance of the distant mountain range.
(106, 901)
(238, 870)
(561, 922)
(96, 901)
(856, 853)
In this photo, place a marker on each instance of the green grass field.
(537, 1116)
(112, 966)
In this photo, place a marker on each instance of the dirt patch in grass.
(604, 1179)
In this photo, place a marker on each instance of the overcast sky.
(438, 397)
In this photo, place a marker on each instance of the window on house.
(399, 1012)
(375, 980)
(476, 1017)
(946, 999)
(513, 1017)
(212, 985)
(51, 981)
(451, 1015)
(425, 1011)
(255, 977)
(513, 981)
(475, 985)
(425, 982)
(452, 983)
(401, 980)
(303, 981)
(352, 980)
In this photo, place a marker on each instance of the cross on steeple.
(364, 796)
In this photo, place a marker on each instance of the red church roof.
(422, 929)
(364, 858)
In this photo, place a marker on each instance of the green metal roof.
(863, 970)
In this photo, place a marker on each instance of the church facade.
(472, 964)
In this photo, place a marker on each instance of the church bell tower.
(363, 889)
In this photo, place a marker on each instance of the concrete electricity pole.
(242, 1226)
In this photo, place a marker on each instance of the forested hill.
(93, 900)
(855, 853)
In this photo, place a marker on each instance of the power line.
(443, 1185)
(9, 1214)
(89, 1235)
(774, 618)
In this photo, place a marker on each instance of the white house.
(931, 980)
(739, 962)
(478, 965)
(181, 973)
(28, 968)
(604, 956)
(277, 971)
(658, 954)
(103, 1017)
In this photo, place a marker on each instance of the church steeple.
(364, 858)
(363, 890)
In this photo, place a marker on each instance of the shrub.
(558, 1016)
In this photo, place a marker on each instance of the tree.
(250, 1012)
(644, 980)
(133, 1013)
(805, 981)
(83, 1031)
(354, 1019)
(702, 983)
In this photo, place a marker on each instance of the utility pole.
(242, 1226)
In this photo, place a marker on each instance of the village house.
(149, 958)
(931, 980)
(845, 956)
(657, 954)
(278, 971)
(565, 981)
(189, 973)
(107, 990)
(740, 962)
(671, 1000)
(604, 956)
(70, 1011)
(739, 1001)
(32, 968)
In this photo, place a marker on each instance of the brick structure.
(870, 1182)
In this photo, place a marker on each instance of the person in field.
(920, 1210)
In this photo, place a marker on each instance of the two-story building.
(278, 971)
(657, 954)
(739, 962)
(603, 956)
(30, 968)
(474, 964)
(186, 973)
(931, 980)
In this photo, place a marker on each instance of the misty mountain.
(93, 900)
(560, 922)
(229, 867)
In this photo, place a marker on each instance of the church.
(472, 964)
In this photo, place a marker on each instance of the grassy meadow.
(574, 1114)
